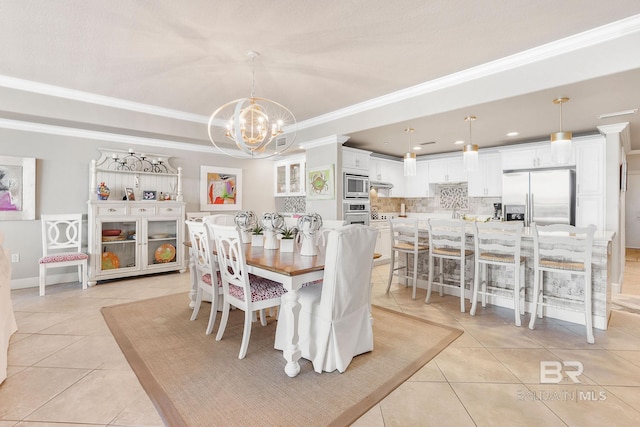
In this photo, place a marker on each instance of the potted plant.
(256, 236)
(287, 238)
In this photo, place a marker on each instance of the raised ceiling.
(365, 69)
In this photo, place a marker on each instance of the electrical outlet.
(15, 257)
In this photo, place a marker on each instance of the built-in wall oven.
(356, 186)
(356, 212)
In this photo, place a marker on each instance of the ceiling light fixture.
(409, 158)
(511, 134)
(560, 141)
(470, 151)
(259, 127)
(458, 142)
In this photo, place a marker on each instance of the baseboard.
(52, 279)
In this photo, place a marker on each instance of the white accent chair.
(562, 249)
(62, 246)
(207, 275)
(245, 291)
(196, 216)
(447, 241)
(405, 239)
(220, 219)
(498, 243)
(335, 323)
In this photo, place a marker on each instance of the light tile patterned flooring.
(66, 369)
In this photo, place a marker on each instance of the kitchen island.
(561, 285)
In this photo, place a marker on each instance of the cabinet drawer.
(143, 210)
(112, 210)
(168, 210)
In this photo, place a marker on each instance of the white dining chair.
(335, 322)
(62, 246)
(242, 290)
(447, 242)
(206, 271)
(498, 244)
(564, 249)
(405, 239)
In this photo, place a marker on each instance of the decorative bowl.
(111, 232)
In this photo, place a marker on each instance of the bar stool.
(405, 240)
(498, 243)
(562, 249)
(447, 241)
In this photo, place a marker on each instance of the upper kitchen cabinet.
(590, 165)
(355, 160)
(386, 170)
(418, 186)
(529, 156)
(289, 177)
(487, 180)
(447, 169)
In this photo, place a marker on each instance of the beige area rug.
(194, 380)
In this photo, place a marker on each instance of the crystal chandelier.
(258, 127)
(560, 141)
(470, 151)
(410, 157)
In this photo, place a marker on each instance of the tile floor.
(66, 369)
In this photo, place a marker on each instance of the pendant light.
(560, 141)
(470, 151)
(409, 157)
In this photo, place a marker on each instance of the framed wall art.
(148, 195)
(17, 188)
(321, 183)
(220, 189)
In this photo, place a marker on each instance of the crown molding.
(327, 140)
(596, 36)
(103, 136)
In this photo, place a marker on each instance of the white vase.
(257, 240)
(270, 240)
(308, 246)
(286, 245)
(246, 236)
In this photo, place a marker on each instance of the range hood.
(381, 185)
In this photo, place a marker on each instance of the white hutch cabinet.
(139, 234)
(290, 177)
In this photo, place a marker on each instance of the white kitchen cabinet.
(289, 177)
(355, 160)
(145, 234)
(487, 180)
(590, 197)
(383, 242)
(386, 170)
(418, 186)
(447, 169)
(537, 155)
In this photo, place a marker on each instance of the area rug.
(194, 380)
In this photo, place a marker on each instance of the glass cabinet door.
(118, 244)
(295, 176)
(281, 180)
(162, 240)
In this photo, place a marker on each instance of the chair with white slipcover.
(8, 323)
(447, 241)
(335, 323)
(327, 226)
(205, 270)
(220, 219)
(498, 243)
(62, 246)
(242, 290)
(562, 248)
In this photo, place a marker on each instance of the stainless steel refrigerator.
(543, 196)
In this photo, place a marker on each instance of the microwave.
(356, 186)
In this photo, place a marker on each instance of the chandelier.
(257, 127)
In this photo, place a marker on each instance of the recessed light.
(513, 134)
(417, 147)
(458, 142)
(386, 142)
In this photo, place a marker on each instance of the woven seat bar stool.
(498, 243)
(562, 249)
(405, 240)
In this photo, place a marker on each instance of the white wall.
(62, 184)
(326, 154)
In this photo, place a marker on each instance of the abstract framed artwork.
(17, 188)
(321, 183)
(220, 189)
